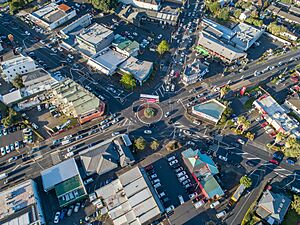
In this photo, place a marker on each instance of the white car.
(173, 88)
(60, 49)
(181, 200)
(54, 50)
(221, 214)
(42, 42)
(3, 152)
(183, 178)
(88, 88)
(159, 36)
(153, 176)
(167, 114)
(77, 207)
(242, 142)
(193, 195)
(173, 162)
(27, 33)
(170, 208)
(181, 174)
(214, 204)
(147, 132)
(223, 158)
(70, 56)
(35, 126)
(56, 217)
(87, 181)
(186, 182)
(48, 46)
(171, 158)
(178, 170)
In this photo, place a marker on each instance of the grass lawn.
(291, 218)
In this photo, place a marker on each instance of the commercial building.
(65, 179)
(52, 15)
(194, 72)
(227, 44)
(276, 116)
(141, 70)
(144, 4)
(75, 101)
(17, 66)
(131, 199)
(210, 111)
(125, 46)
(21, 205)
(106, 61)
(106, 156)
(94, 38)
(203, 169)
(272, 207)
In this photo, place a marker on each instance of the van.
(90, 180)
(221, 214)
(3, 175)
(35, 126)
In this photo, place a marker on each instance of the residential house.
(272, 207)
(293, 103)
(194, 72)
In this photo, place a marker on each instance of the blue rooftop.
(212, 108)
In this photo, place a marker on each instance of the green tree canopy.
(292, 147)
(128, 80)
(275, 29)
(140, 143)
(246, 181)
(296, 204)
(237, 13)
(213, 7)
(10, 118)
(103, 5)
(154, 145)
(223, 14)
(18, 82)
(224, 90)
(163, 47)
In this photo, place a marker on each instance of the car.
(162, 194)
(70, 56)
(87, 87)
(251, 163)
(56, 217)
(221, 214)
(49, 46)
(87, 181)
(278, 155)
(77, 207)
(166, 199)
(69, 60)
(42, 42)
(178, 170)
(185, 182)
(167, 114)
(70, 210)
(153, 176)
(34, 126)
(188, 186)
(264, 124)
(171, 158)
(148, 168)
(180, 174)
(11, 147)
(173, 162)
(155, 181)
(223, 158)
(291, 160)
(274, 161)
(242, 142)
(214, 204)
(60, 49)
(159, 36)
(78, 137)
(63, 213)
(115, 133)
(170, 208)
(7, 149)
(183, 178)
(157, 185)
(147, 132)
(181, 200)
(3, 152)
(54, 50)
(27, 33)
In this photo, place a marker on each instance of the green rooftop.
(68, 185)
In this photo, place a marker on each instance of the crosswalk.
(160, 91)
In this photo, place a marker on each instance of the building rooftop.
(95, 33)
(19, 205)
(218, 29)
(125, 44)
(277, 114)
(59, 173)
(16, 62)
(138, 68)
(109, 58)
(211, 108)
(211, 187)
(227, 51)
(37, 76)
(195, 67)
(129, 199)
(286, 15)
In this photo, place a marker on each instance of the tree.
(10, 119)
(163, 47)
(290, 142)
(246, 181)
(224, 90)
(213, 7)
(275, 29)
(237, 13)
(17, 82)
(296, 204)
(279, 137)
(246, 125)
(128, 81)
(154, 145)
(140, 143)
(104, 5)
(149, 112)
(223, 14)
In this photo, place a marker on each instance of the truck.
(237, 194)
(3, 176)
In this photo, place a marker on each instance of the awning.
(201, 50)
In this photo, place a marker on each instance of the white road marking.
(241, 153)
(279, 169)
(252, 158)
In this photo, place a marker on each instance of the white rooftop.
(109, 58)
(95, 33)
(16, 61)
(59, 173)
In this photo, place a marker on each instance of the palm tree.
(240, 121)
(279, 137)
(246, 125)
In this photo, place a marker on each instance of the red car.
(148, 168)
(264, 124)
(274, 161)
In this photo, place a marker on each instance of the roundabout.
(149, 112)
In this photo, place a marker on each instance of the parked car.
(77, 207)
(56, 217)
(181, 179)
(173, 162)
(170, 208)
(181, 200)
(147, 132)
(181, 174)
(242, 142)
(171, 158)
(87, 181)
(214, 204)
(221, 214)
(70, 210)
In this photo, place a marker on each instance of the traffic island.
(148, 113)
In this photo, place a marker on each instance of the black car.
(252, 163)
